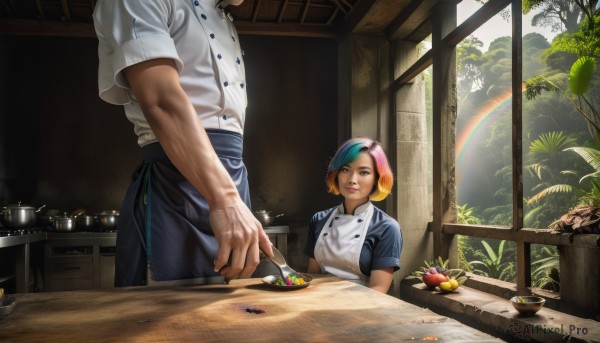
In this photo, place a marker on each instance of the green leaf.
(561, 188)
(590, 155)
(489, 250)
(581, 75)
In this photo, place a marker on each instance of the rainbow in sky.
(473, 132)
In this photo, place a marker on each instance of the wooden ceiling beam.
(333, 16)
(305, 11)
(339, 6)
(401, 18)
(485, 13)
(40, 9)
(65, 9)
(11, 12)
(422, 63)
(289, 30)
(352, 20)
(48, 29)
(255, 11)
(282, 11)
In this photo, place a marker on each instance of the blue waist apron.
(164, 224)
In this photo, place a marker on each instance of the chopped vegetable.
(289, 281)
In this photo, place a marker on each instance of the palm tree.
(586, 196)
(547, 159)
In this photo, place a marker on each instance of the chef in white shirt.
(356, 240)
(177, 68)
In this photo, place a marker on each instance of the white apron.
(338, 247)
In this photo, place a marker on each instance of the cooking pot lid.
(20, 206)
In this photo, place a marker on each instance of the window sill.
(493, 313)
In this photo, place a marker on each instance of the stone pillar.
(579, 281)
(413, 173)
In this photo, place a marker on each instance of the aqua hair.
(348, 152)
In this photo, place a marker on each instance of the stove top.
(4, 232)
(7, 232)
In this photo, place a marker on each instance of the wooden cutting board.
(329, 310)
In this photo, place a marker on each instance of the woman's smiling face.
(356, 179)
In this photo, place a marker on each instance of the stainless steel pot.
(265, 217)
(86, 222)
(108, 219)
(63, 223)
(19, 215)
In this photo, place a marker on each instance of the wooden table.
(329, 310)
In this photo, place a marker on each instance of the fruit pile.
(436, 276)
(446, 280)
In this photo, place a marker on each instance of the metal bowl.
(63, 223)
(108, 219)
(527, 304)
(86, 222)
(265, 217)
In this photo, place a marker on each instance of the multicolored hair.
(348, 152)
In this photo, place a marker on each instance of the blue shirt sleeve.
(383, 244)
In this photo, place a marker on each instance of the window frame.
(443, 224)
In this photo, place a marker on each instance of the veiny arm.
(172, 117)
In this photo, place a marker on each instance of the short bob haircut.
(348, 152)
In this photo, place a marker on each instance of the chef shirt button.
(233, 38)
(196, 3)
(212, 35)
(203, 16)
(360, 220)
(224, 117)
(225, 83)
(336, 218)
(219, 56)
(356, 236)
(238, 60)
(325, 234)
(241, 85)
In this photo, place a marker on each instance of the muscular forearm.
(172, 117)
(179, 131)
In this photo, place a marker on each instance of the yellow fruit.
(445, 286)
(453, 283)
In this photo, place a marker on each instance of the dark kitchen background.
(61, 146)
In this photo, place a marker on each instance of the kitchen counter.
(101, 257)
(328, 310)
(11, 241)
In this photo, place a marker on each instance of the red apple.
(433, 280)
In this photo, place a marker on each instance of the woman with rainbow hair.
(356, 240)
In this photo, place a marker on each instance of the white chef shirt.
(196, 34)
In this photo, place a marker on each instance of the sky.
(497, 27)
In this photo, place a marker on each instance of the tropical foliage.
(561, 133)
(546, 266)
(492, 263)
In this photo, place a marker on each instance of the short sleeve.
(130, 32)
(389, 247)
